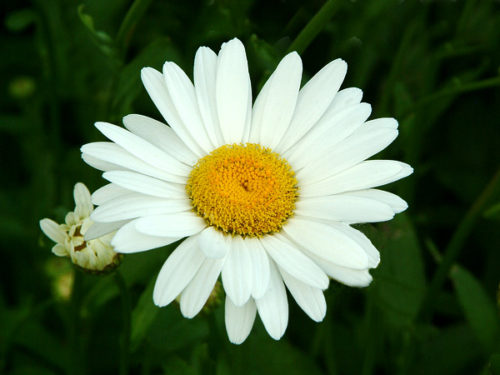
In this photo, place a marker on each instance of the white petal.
(100, 164)
(182, 93)
(310, 299)
(365, 175)
(239, 320)
(108, 192)
(60, 250)
(275, 105)
(137, 205)
(292, 260)
(97, 230)
(82, 199)
(195, 295)
(248, 120)
(237, 274)
(213, 243)
(143, 184)
(52, 230)
(327, 242)
(160, 135)
(143, 149)
(112, 153)
(350, 277)
(71, 218)
(232, 90)
(362, 241)
(344, 275)
(205, 69)
(392, 200)
(260, 266)
(273, 306)
(345, 98)
(178, 270)
(314, 98)
(129, 240)
(383, 122)
(362, 144)
(157, 89)
(175, 225)
(345, 208)
(333, 128)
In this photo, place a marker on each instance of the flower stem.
(74, 324)
(134, 14)
(126, 321)
(370, 326)
(315, 25)
(455, 245)
(460, 88)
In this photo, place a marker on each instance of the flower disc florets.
(243, 189)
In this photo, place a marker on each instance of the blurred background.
(433, 307)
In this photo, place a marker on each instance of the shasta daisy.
(263, 194)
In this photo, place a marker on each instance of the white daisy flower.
(94, 255)
(263, 194)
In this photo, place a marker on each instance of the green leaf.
(103, 291)
(19, 20)
(447, 352)
(494, 365)
(37, 339)
(399, 282)
(143, 316)
(261, 355)
(493, 212)
(140, 267)
(478, 307)
(266, 57)
(11, 320)
(129, 82)
(170, 331)
(103, 40)
(175, 365)
(200, 358)
(24, 369)
(402, 97)
(222, 367)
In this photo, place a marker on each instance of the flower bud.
(95, 255)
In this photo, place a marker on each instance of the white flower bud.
(96, 255)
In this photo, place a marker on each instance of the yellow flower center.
(243, 189)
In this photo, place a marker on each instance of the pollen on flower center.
(243, 189)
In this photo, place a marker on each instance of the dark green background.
(433, 65)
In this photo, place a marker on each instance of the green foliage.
(433, 65)
(399, 281)
(493, 212)
(479, 310)
(143, 316)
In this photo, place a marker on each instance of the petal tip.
(147, 73)
(44, 223)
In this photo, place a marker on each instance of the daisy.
(263, 194)
(94, 255)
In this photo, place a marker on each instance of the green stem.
(134, 14)
(315, 25)
(392, 77)
(455, 245)
(126, 321)
(76, 367)
(328, 349)
(370, 336)
(127, 27)
(479, 85)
